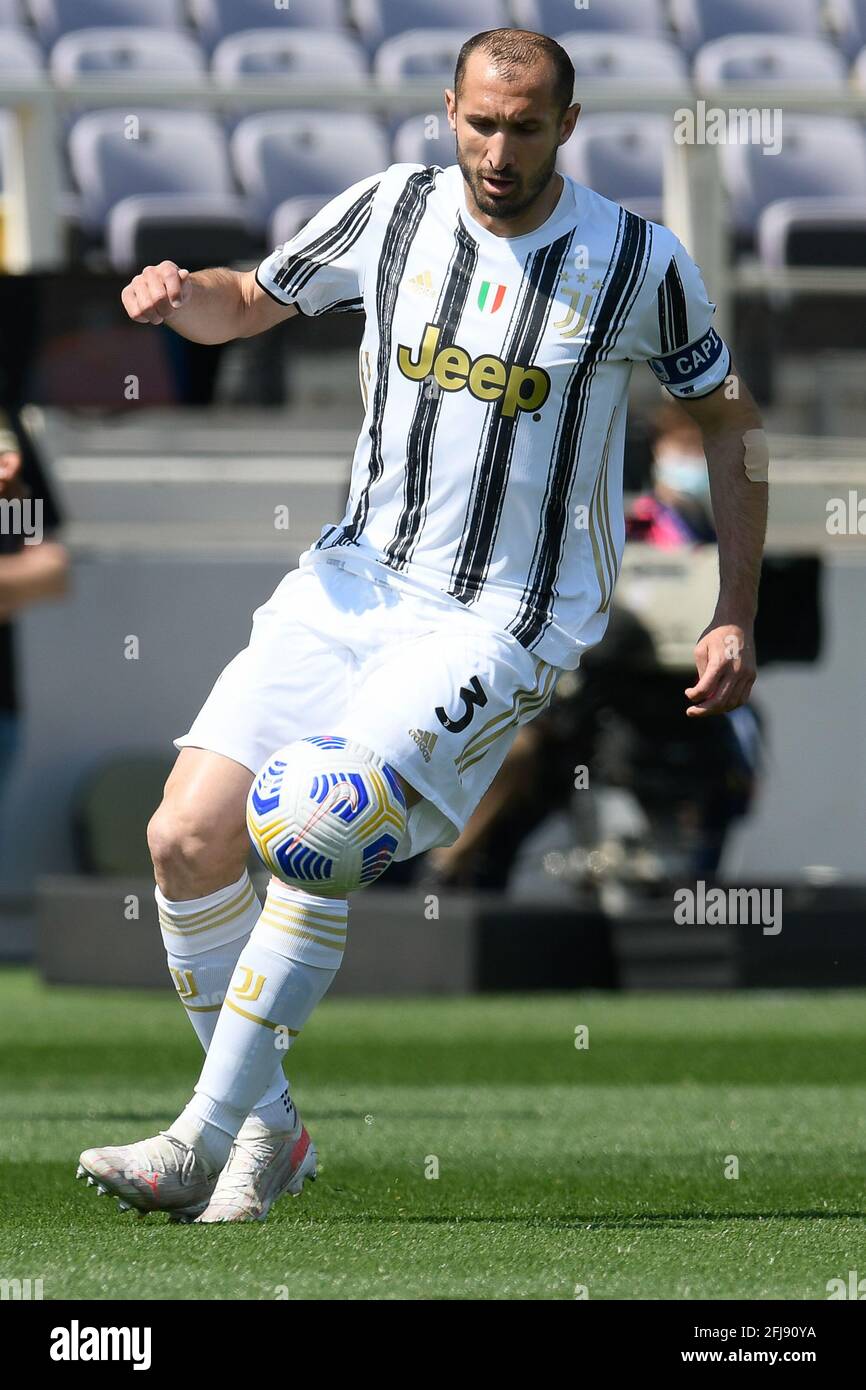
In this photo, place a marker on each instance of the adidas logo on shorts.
(425, 741)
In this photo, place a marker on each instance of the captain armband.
(695, 370)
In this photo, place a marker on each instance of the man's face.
(508, 134)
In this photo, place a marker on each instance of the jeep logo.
(488, 378)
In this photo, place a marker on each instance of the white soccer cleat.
(262, 1166)
(158, 1174)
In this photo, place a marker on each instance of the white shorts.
(429, 686)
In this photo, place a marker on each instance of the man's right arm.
(206, 306)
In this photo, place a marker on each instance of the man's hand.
(206, 306)
(725, 653)
(725, 658)
(155, 294)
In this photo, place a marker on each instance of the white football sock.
(282, 972)
(279, 1115)
(203, 938)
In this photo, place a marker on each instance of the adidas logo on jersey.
(422, 284)
(425, 741)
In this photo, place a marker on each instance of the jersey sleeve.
(676, 336)
(322, 268)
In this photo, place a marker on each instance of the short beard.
(506, 212)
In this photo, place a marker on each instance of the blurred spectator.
(33, 567)
(677, 511)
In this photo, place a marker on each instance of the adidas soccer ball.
(326, 814)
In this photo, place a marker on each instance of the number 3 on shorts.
(472, 695)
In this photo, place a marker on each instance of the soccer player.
(505, 306)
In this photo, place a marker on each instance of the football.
(328, 812)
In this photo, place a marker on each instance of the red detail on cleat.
(300, 1148)
(151, 1181)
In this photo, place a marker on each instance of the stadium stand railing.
(387, 60)
(695, 201)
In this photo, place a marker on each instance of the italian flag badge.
(490, 296)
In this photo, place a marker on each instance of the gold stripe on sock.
(170, 924)
(240, 898)
(265, 1022)
(213, 916)
(203, 922)
(317, 917)
(301, 935)
(300, 917)
(196, 931)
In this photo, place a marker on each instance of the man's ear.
(569, 121)
(450, 107)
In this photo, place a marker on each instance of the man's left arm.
(737, 459)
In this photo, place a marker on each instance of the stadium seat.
(287, 53)
(624, 56)
(182, 152)
(620, 156)
(821, 156)
(291, 215)
(699, 21)
(193, 231)
(425, 53)
(556, 17)
(56, 17)
(378, 20)
(414, 145)
(134, 54)
(813, 232)
(848, 21)
(304, 152)
(770, 58)
(19, 51)
(216, 19)
(283, 55)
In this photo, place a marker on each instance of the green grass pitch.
(558, 1167)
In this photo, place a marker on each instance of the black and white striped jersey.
(494, 372)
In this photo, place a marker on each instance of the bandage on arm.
(756, 457)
